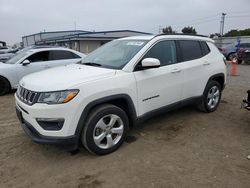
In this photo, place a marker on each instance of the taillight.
(225, 60)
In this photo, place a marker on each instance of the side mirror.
(25, 62)
(149, 63)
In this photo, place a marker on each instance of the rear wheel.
(211, 97)
(231, 56)
(4, 86)
(105, 129)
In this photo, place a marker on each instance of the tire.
(4, 86)
(105, 129)
(211, 97)
(231, 56)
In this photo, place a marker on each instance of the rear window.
(245, 45)
(190, 50)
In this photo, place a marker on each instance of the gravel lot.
(184, 148)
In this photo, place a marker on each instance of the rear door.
(195, 63)
(63, 57)
(158, 87)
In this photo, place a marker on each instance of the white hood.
(65, 77)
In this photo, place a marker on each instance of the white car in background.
(31, 61)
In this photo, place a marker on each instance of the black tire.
(203, 104)
(4, 86)
(89, 131)
(231, 56)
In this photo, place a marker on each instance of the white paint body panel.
(170, 84)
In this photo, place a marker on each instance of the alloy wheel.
(108, 131)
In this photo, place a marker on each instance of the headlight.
(57, 97)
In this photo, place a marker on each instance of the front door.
(159, 87)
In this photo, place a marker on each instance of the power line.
(236, 12)
(240, 16)
(215, 17)
(195, 20)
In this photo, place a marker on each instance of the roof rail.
(187, 34)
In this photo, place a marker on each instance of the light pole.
(222, 25)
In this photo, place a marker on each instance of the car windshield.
(16, 58)
(115, 54)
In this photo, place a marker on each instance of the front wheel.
(105, 129)
(211, 97)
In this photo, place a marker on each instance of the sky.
(24, 17)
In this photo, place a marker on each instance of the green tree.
(236, 32)
(189, 30)
(168, 30)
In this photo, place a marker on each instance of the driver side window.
(39, 56)
(165, 51)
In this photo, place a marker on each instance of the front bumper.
(69, 143)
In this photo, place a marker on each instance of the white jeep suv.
(30, 60)
(96, 101)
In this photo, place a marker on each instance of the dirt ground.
(183, 148)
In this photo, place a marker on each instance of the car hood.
(5, 65)
(65, 77)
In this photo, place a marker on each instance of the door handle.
(206, 63)
(175, 70)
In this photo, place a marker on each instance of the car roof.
(48, 49)
(169, 36)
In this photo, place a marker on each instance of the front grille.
(27, 96)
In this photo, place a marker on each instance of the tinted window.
(190, 50)
(204, 47)
(245, 45)
(39, 56)
(61, 54)
(165, 51)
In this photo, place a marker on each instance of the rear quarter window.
(190, 50)
(204, 48)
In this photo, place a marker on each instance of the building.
(83, 41)
(231, 40)
(34, 38)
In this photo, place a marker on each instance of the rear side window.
(245, 45)
(39, 56)
(62, 54)
(204, 48)
(165, 51)
(190, 50)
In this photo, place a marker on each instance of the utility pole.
(75, 25)
(222, 25)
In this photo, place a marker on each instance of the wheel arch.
(220, 78)
(4, 77)
(123, 101)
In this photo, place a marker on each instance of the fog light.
(51, 124)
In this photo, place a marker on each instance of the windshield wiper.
(91, 64)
